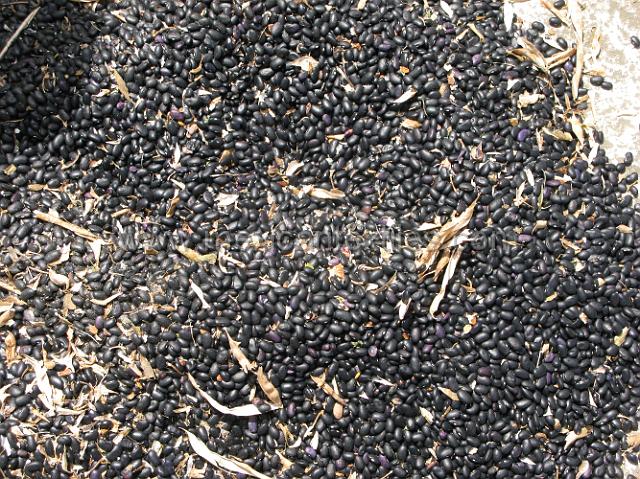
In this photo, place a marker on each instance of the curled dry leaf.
(200, 294)
(574, 436)
(82, 232)
(65, 252)
(105, 302)
(6, 315)
(173, 204)
(633, 439)
(475, 30)
(336, 137)
(9, 287)
(58, 279)
(528, 51)
(578, 129)
(322, 194)
(337, 271)
(293, 167)
(306, 62)
(560, 57)
(234, 346)
(286, 463)
(558, 134)
(448, 274)
(196, 257)
(147, 370)
(226, 199)
(528, 99)
(96, 248)
(449, 393)
(409, 123)
(121, 84)
(441, 264)
(403, 308)
(322, 383)
(215, 459)
(246, 410)
(406, 96)
(42, 381)
(427, 415)
(584, 470)
(268, 388)
(447, 232)
(620, 338)
(508, 15)
(9, 347)
(446, 8)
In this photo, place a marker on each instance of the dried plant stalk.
(25, 23)
(82, 232)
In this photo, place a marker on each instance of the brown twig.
(25, 23)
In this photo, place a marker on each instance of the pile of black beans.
(177, 173)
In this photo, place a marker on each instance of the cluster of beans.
(220, 122)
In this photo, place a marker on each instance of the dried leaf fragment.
(9, 287)
(406, 96)
(226, 199)
(409, 123)
(446, 8)
(528, 51)
(58, 279)
(448, 274)
(620, 338)
(448, 231)
(322, 383)
(234, 346)
(403, 308)
(573, 436)
(427, 415)
(337, 271)
(10, 347)
(246, 410)
(306, 62)
(293, 167)
(106, 301)
(559, 134)
(121, 84)
(528, 99)
(322, 194)
(624, 229)
(576, 19)
(508, 15)
(633, 439)
(449, 393)
(231, 465)
(147, 370)
(268, 388)
(200, 294)
(196, 257)
(584, 470)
